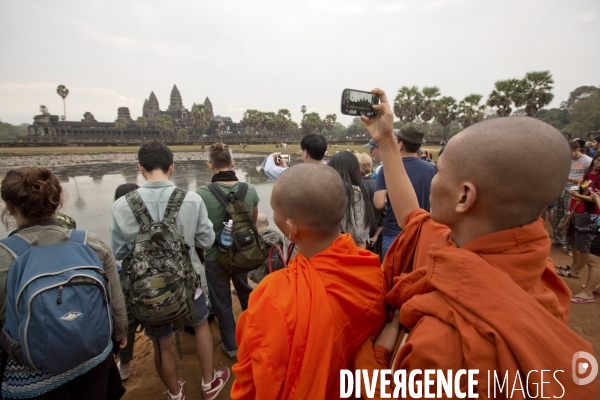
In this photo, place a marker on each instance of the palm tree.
(183, 133)
(141, 124)
(121, 125)
(164, 123)
(429, 103)
(469, 111)
(537, 91)
(505, 93)
(281, 121)
(201, 116)
(408, 103)
(63, 92)
(303, 111)
(330, 120)
(445, 112)
(310, 122)
(253, 119)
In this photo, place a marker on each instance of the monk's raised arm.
(401, 193)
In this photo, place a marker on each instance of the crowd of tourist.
(380, 262)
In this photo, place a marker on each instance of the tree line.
(441, 116)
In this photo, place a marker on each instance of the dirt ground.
(145, 384)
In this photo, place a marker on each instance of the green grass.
(253, 148)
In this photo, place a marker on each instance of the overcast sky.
(276, 54)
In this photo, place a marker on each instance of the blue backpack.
(57, 309)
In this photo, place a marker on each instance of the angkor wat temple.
(48, 127)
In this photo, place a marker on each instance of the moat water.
(91, 188)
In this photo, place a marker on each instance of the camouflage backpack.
(157, 278)
(248, 251)
(66, 221)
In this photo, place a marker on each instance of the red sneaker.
(213, 389)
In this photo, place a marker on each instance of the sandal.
(581, 300)
(565, 274)
(564, 267)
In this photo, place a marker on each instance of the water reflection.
(90, 189)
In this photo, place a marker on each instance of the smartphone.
(359, 102)
(283, 157)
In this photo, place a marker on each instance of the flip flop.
(564, 267)
(581, 300)
(565, 274)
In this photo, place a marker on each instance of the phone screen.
(358, 102)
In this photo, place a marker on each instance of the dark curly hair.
(33, 191)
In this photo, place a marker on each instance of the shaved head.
(518, 166)
(312, 195)
(262, 220)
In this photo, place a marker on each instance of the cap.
(372, 143)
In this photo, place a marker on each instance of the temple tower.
(124, 112)
(208, 106)
(176, 108)
(151, 108)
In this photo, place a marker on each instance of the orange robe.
(306, 322)
(496, 304)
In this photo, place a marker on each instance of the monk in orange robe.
(306, 322)
(472, 281)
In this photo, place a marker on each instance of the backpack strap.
(218, 193)
(242, 190)
(78, 236)
(138, 207)
(15, 245)
(173, 205)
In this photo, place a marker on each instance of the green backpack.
(248, 251)
(157, 276)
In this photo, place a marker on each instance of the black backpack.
(248, 251)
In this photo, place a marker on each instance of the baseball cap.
(372, 143)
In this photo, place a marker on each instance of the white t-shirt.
(578, 168)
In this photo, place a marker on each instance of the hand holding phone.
(381, 127)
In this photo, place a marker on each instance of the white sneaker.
(124, 372)
(181, 395)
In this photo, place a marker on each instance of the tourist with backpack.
(219, 266)
(155, 230)
(274, 247)
(45, 272)
(126, 353)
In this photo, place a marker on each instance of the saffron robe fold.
(306, 322)
(496, 304)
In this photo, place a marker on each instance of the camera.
(358, 102)
(591, 228)
(283, 157)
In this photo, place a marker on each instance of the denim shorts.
(581, 241)
(200, 311)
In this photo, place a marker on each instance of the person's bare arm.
(255, 214)
(375, 236)
(401, 193)
(596, 198)
(379, 199)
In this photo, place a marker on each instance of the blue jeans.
(386, 243)
(220, 297)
